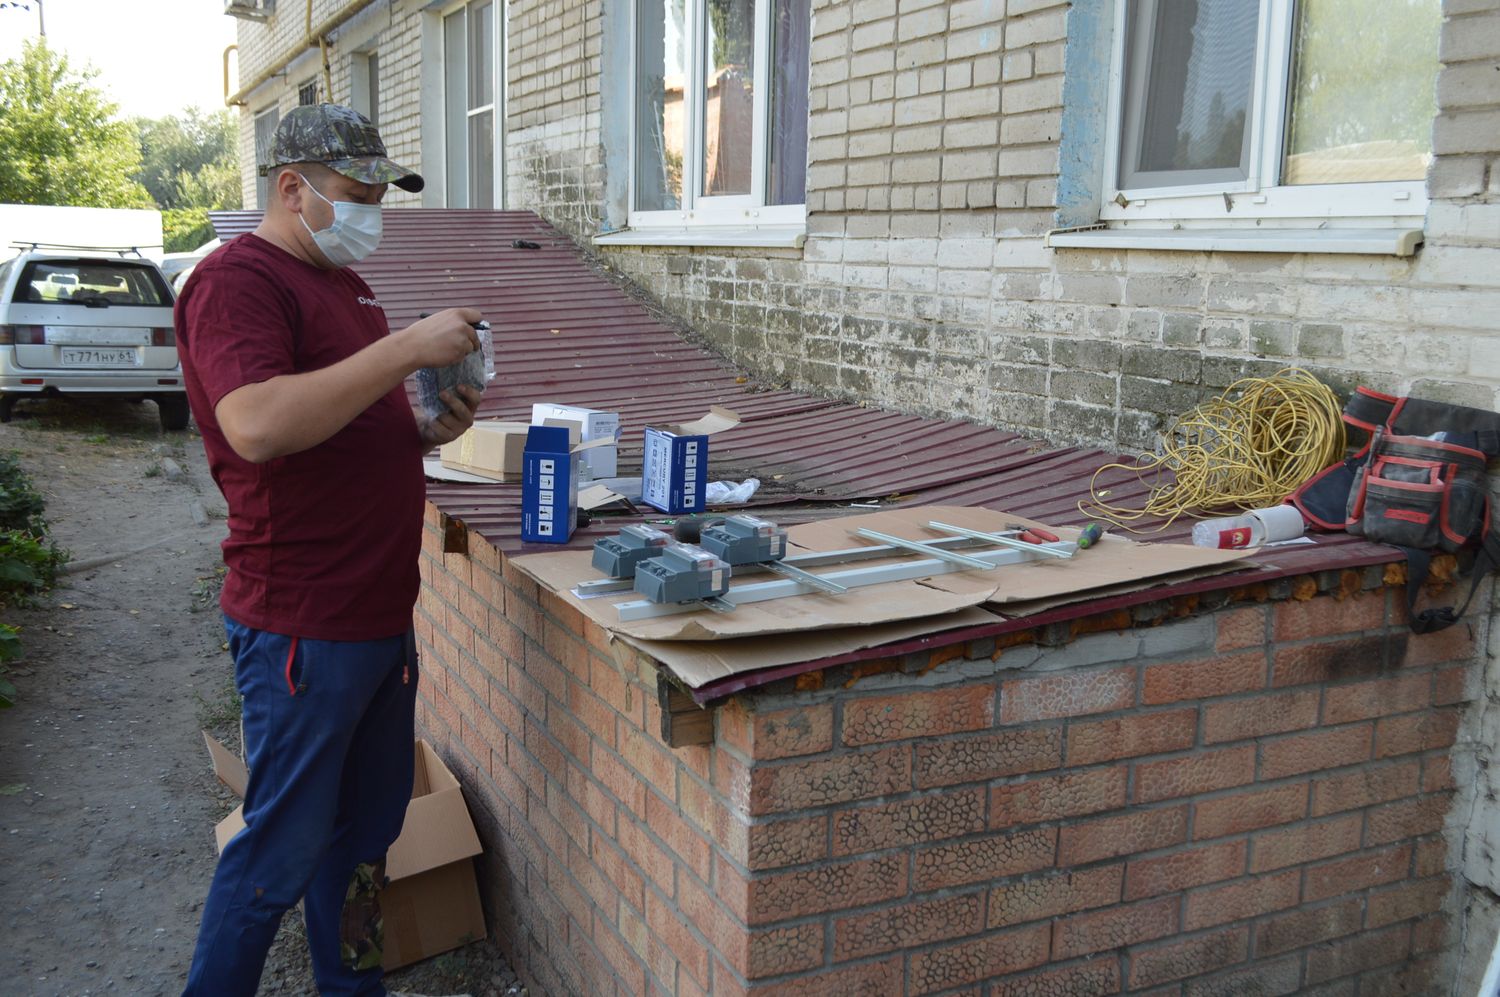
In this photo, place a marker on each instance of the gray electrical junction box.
(618, 556)
(682, 573)
(745, 540)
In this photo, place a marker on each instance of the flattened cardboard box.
(432, 902)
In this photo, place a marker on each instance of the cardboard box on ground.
(432, 902)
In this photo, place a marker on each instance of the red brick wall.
(1261, 807)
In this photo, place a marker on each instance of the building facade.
(969, 240)
(1072, 219)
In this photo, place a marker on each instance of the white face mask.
(354, 234)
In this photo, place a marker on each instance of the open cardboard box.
(432, 902)
(490, 449)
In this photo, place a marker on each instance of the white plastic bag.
(729, 493)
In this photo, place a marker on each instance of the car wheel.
(173, 410)
(7, 406)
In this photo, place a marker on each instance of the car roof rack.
(29, 245)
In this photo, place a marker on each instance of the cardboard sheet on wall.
(698, 662)
(1112, 563)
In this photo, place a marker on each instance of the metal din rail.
(781, 588)
(998, 539)
(611, 586)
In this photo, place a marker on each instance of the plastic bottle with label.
(1282, 522)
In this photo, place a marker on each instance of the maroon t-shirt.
(322, 543)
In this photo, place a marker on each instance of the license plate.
(93, 335)
(101, 358)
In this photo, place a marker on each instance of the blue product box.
(549, 486)
(674, 464)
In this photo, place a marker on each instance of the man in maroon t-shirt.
(296, 383)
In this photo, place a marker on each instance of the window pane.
(1189, 71)
(481, 55)
(729, 101)
(1362, 93)
(660, 126)
(455, 124)
(482, 160)
(786, 180)
(372, 87)
(265, 135)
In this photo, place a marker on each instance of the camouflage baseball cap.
(343, 140)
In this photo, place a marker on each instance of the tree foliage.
(188, 160)
(60, 142)
(185, 229)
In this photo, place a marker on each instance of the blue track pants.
(328, 737)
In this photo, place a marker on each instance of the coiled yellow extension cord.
(1247, 449)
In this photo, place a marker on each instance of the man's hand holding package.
(451, 424)
(442, 338)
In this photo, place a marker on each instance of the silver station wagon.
(88, 322)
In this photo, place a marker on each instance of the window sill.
(761, 237)
(1373, 241)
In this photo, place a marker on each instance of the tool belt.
(1419, 484)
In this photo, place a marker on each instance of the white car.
(75, 323)
(175, 265)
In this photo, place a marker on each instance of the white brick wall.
(925, 168)
(392, 28)
(933, 166)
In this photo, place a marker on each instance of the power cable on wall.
(1247, 449)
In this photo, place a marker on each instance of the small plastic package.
(477, 370)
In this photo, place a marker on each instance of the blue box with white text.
(549, 486)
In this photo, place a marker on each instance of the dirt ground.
(107, 800)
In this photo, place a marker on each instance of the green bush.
(20, 504)
(29, 563)
(28, 566)
(185, 229)
(10, 648)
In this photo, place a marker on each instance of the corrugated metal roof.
(567, 332)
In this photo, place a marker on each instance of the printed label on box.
(676, 461)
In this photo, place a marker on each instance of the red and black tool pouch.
(1419, 484)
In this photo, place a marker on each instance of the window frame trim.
(725, 212)
(500, 16)
(1396, 203)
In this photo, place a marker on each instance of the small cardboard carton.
(549, 483)
(674, 469)
(432, 902)
(490, 449)
(593, 425)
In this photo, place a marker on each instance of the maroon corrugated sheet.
(567, 332)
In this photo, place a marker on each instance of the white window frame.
(500, 14)
(1388, 204)
(725, 212)
(364, 86)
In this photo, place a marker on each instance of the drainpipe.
(231, 48)
(314, 37)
